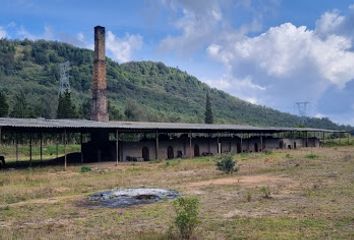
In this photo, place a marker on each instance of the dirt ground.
(290, 194)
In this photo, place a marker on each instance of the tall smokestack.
(99, 84)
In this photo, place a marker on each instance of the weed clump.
(85, 169)
(227, 164)
(311, 156)
(268, 152)
(249, 197)
(265, 190)
(186, 221)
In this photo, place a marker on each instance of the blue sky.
(269, 52)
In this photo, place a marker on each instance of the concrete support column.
(65, 159)
(30, 150)
(348, 138)
(261, 139)
(57, 147)
(81, 150)
(157, 145)
(241, 143)
(218, 145)
(0, 139)
(41, 147)
(190, 145)
(16, 142)
(117, 147)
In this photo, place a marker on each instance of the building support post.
(30, 150)
(16, 142)
(157, 145)
(307, 139)
(57, 147)
(65, 159)
(241, 142)
(81, 150)
(117, 147)
(190, 144)
(218, 149)
(41, 147)
(261, 139)
(0, 139)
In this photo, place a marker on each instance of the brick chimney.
(99, 105)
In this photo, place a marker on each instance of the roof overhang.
(41, 124)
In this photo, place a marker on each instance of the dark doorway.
(256, 147)
(294, 145)
(145, 154)
(170, 153)
(281, 144)
(196, 150)
(238, 146)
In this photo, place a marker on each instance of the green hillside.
(143, 91)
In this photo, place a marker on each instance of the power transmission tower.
(64, 77)
(302, 108)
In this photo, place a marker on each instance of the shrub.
(227, 164)
(186, 221)
(85, 169)
(311, 156)
(249, 196)
(268, 152)
(266, 192)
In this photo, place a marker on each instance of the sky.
(269, 52)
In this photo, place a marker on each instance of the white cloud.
(291, 64)
(3, 33)
(333, 22)
(196, 26)
(122, 48)
(329, 22)
(47, 34)
(200, 22)
(244, 88)
(284, 49)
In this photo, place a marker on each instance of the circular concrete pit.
(124, 197)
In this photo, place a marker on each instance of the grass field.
(48, 151)
(311, 197)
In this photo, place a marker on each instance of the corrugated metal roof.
(24, 123)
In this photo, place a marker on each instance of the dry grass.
(310, 198)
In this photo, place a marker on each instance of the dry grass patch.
(311, 198)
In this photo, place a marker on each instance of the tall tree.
(66, 109)
(20, 108)
(133, 111)
(4, 106)
(208, 111)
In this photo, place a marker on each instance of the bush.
(268, 152)
(266, 192)
(227, 164)
(85, 169)
(186, 221)
(249, 196)
(311, 156)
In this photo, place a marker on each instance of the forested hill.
(142, 91)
